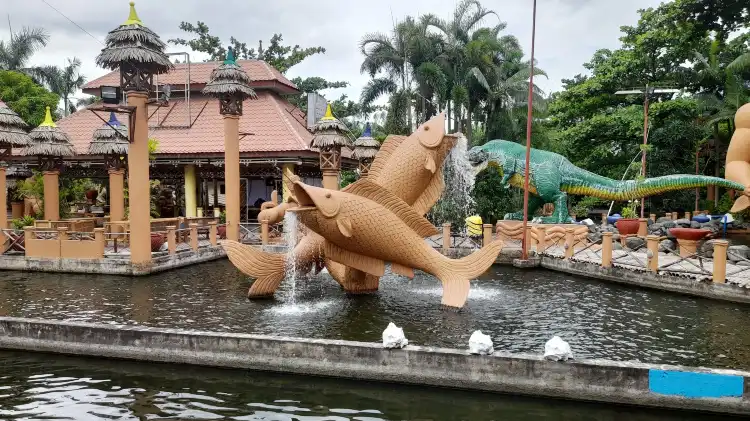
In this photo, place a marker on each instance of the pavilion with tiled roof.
(189, 131)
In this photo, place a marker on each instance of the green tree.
(64, 81)
(28, 99)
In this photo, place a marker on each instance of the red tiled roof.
(260, 72)
(273, 123)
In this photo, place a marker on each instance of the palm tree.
(16, 53)
(64, 81)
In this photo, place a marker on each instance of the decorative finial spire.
(368, 130)
(113, 121)
(48, 120)
(133, 18)
(329, 113)
(230, 57)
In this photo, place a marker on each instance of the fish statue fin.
(402, 270)
(369, 190)
(384, 154)
(431, 194)
(266, 268)
(742, 203)
(431, 133)
(429, 164)
(345, 226)
(357, 261)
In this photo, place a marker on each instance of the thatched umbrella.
(48, 140)
(330, 133)
(230, 83)
(365, 149)
(12, 129)
(137, 51)
(111, 139)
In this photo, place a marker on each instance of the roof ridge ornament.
(133, 18)
(48, 120)
(329, 113)
(230, 57)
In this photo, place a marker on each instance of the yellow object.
(133, 18)
(474, 225)
(48, 120)
(329, 113)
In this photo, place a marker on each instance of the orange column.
(139, 195)
(116, 195)
(3, 200)
(331, 179)
(51, 195)
(232, 175)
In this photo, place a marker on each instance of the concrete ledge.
(647, 279)
(722, 391)
(111, 266)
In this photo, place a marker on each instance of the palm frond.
(479, 76)
(375, 88)
(740, 64)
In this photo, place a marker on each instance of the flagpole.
(524, 244)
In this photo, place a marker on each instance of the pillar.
(264, 231)
(51, 195)
(486, 234)
(720, 261)
(331, 179)
(652, 217)
(212, 237)
(216, 193)
(688, 216)
(446, 237)
(116, 195)
(652, 242)
(604, 219)
(642, 227)
(139, 196)
(606, 249)
(287, 173)
(569, 243)
(3, 200)
(541, 240)
(675, 216)
(232, 175)
(191, 200)
(171, 239)
(194, 237)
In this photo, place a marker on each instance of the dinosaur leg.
(560, 215)
(535, 202)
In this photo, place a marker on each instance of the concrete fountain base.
(714, 390)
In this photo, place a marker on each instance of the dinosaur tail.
(608, 189)
(455, 274)
(266, 268)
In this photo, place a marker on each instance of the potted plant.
(221, 229)
(629, 223)
(157, 240)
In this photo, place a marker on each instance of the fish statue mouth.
(311, 198)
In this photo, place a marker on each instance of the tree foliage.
(28, 99)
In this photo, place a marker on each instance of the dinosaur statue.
(410, 167)
(553, 177)
(738, 157)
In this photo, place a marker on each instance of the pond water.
(520, 310)
(39, 386)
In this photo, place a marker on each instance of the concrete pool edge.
(690, 388)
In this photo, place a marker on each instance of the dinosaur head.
(478, 158)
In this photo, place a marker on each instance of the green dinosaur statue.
(553, 177)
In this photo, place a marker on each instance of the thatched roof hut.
(329, 132)
(110, 139)
(48, 140)
(366, 146)
(229, 79)
(12, 128)
(132, 46)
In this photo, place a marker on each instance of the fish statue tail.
(742, 203)
(266, 268)
(455, 274)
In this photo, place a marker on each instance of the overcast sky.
(568, 31)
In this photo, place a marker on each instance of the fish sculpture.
(738, 157)
(408, 166)
(367, 226)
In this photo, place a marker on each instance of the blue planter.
(702, 219)
(613, 218)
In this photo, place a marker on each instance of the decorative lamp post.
(365, 149)
(329, 136)
(12, 133)
(111, 141)
(138, 53)
(50, 144)
(231, 85)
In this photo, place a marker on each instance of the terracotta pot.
(92, 195)
(691, 234)
(157, 240)
(222, 231)
(16, 210)
(628, 226)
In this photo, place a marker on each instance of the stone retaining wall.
(723, 391)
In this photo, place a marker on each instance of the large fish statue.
(367, 226)
(408, 166)
(738, 157)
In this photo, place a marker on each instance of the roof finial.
(48, 120)
(230, 56)
(368, 130)
(329, 113)
(133, 18)
(113, 121)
